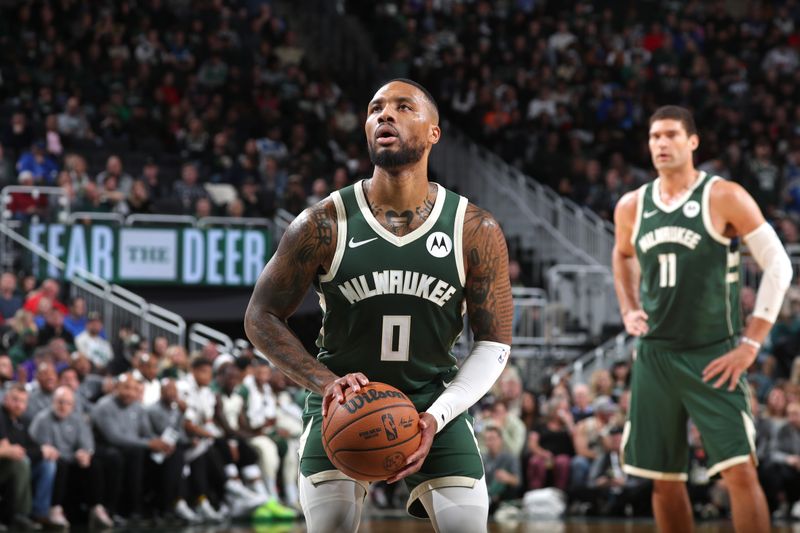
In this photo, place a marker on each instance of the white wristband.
(751, 342)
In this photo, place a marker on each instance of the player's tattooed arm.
(488, 288)
(306, 248)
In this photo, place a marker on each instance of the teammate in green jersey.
(676, 272)
(396, 260)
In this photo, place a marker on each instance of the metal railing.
(117, 305)
(200, 335)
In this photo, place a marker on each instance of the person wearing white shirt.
(90, 343)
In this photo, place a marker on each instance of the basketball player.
(396, 260)
(676, 271)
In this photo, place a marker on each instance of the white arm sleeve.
(771, 256)
(480, 370)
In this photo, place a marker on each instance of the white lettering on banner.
(77, 256)
(194, 247)
(232, 257)
(255, 255)
(148, 254)
(102, 251)
(54, 247)
(138, 254)
(35, 236)
(213, 255)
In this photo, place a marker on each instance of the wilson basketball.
(370, 435)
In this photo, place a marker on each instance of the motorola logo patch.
(439, 244)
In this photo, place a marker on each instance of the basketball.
(370, 435)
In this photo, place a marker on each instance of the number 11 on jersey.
(668, 264)
(395, 337)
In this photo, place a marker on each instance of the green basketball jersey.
(393, 306)
(690, 273)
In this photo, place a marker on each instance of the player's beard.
(406, 154)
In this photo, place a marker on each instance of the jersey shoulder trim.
(706, 209)
(458, 239)
(639, 208)
(341, 237)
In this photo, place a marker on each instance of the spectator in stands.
(75, 321)
(509, 389)
(587, 439)
(10, 300)
(512, 429)
(187, 191)
(138, 200)
(502, 469)
(294, 197)
(27, 339)
(92, 200)
(550, 448)
(72, 123)
(62, 427)
(612, 487)
(156, 189)
(207, 471)
(319, 191)
(288, 430)
(581, 402)
(146, 373)
(15, 478)
(39, 164)
(54, 328)
(123, 431)
(51, 290)
(529, 410)
(92, 386)
(601, 384)
(621, 375)
(25, 205)
(41, 460)
(53, 144)
(238, 447)
(114, 169)
(175, 363)
(784, 470)
(91, 344)
(41, 391)
(257, 202)
(7, 173)
(6, 374)
(18, 136)
(203, 208)
(166, 419)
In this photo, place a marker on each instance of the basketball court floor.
(388, 525)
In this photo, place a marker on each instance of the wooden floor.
(417, 526)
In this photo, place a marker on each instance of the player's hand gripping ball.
(370, 435)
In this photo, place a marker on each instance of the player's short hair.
(428, 96)
(675, 112)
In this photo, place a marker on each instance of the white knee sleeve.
(332, 506)
(458, 509)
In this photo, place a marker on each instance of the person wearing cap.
(614, 491)
(90, 343)
(587, 439)
(39, 164)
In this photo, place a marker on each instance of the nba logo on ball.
(389, 427)
(439, 244)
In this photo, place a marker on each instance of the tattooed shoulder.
(312, 235)
(487, 285)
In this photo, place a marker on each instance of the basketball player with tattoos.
(396, 260)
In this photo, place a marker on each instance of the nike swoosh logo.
(648, 214)
(356, 244)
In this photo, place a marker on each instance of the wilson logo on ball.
(357, 402)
